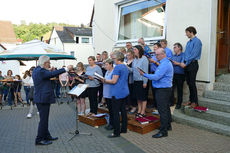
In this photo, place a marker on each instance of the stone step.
(210, 115)
(223, 78)
(218, 95)
(222, 86)
(180, 117)
(213, 104)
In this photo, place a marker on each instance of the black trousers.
(110, 107)
(178, 82)
(100, 93)
(162, 96)
(190, 75)
(93, 104)
(131, 99)
(118, 105)
(43, 132)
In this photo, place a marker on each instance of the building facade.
(117, 21)
(76, 41)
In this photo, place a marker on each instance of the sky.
(44, 11)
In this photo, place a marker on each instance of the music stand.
(77, 132)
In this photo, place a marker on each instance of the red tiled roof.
(7, 34)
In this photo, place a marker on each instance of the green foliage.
(35, 31)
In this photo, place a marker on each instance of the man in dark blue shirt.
(162, 82)
(178, 77)
(191, 56)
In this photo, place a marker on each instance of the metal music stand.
(77, 132)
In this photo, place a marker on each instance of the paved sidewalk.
(183, 139)
(17, 134)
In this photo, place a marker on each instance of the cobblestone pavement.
(17, 135)
(183, 139)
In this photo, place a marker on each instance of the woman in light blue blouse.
(93, 84)
(107, 91)
(140, 82)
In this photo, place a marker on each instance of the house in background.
(76, 41)
(9, 41)
(116, 22)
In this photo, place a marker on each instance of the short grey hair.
(42, 59)
(162, 50)
(119, 56)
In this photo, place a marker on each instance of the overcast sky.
(44, 11)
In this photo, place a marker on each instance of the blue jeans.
(27, 90)
(10, 96)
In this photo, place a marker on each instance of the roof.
(7, 34)
(79, 31)
(66, 34)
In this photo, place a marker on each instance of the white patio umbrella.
(32, 50)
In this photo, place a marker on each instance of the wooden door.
(223, 44)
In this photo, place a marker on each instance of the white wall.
(104, 25)
(10, 65)
(202, 15)
(82, 52)
(55, 40)
(180, 14)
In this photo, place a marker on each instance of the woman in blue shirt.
(119, 93)
(107, 91)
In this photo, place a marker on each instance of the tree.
(35, 31)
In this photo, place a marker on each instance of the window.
(77, 40)
(142, 19)
(72, 53)
(84, 40)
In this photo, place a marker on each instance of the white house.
(9, 41)
(77, 41)
(114, 22)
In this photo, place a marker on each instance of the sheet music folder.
(78, 90)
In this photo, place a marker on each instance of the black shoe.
(123, 132)
(177, 107)
(43, 142)
(113, 136)
(109, 127)
(52, 138)
(169, 128)
(160, 135)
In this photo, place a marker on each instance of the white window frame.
(148, 41)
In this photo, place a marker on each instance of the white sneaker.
(29, 115)
(37, 113)
(155, 112)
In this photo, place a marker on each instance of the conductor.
(43, 97)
